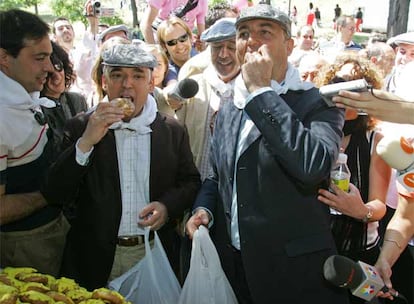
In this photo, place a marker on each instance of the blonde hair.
(166, 24)
(150, 48)
(363, 69)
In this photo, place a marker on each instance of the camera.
(331, 90)
(96, 5)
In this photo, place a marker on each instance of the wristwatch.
(368, 216)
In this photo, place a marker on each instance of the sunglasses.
(181, 39)
(57, 63)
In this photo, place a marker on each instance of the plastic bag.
(206, 282)
(151, 280)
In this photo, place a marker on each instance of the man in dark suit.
(272, 148)
(124, 173)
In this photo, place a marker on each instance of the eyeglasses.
(181, 39)
(57, 63)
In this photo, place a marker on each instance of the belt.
(129, 241)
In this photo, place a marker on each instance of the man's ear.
(4, 58)
(104, 84)
(152, 82)
(374, 59)
(290, 44)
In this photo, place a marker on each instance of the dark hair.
(62, 55)
(218, 11)
(17, 26)
(56, 20)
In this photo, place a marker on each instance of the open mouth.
(127, 97)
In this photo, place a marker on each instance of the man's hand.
(257, 69)
(104, 116)
(201, 217)
(154, 215)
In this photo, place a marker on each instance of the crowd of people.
(249, 155)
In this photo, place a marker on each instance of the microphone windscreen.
(187, 88)
(342, 272)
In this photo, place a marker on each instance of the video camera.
(99, 11)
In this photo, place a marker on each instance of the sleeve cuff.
(209, 212)
(257, 92)
(81, 157)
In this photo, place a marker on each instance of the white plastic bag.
(206, 282)
(150, 281)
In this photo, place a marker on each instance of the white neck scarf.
(292, 81)
(221, 88)
(16, 110)
(15, 96)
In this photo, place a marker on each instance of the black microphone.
(361, 279)
(184, 89)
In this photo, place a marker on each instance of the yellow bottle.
(341, 175)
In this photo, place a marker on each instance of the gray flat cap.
(222, 29)
(406, 38)
(265, 11)
(128, 55)
(112, 29)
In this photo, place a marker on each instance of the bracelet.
(393, 241)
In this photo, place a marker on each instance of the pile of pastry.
(26, 285)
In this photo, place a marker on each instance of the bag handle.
(206, 249)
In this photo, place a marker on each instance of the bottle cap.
(342, 158)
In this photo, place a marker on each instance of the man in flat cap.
(272, 148)
(215, 87)
(113, 31)
(404, 44)
(124, 173)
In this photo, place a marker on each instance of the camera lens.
(97, 4)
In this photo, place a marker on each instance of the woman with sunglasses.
(176, 39)
(68, 104)
(355, 215)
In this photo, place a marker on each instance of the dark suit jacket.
(284, 230)
(91, 242)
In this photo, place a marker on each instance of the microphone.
(184, 89)
(361, 279)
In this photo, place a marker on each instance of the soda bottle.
(340, 175)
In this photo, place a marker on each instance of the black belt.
(129, 241)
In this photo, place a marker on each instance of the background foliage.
(71, 9)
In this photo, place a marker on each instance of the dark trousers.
(238, 282)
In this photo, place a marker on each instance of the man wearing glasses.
(304, 45)
(32, 233)
(346, 29)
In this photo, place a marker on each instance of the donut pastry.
(35, 297)
(125, 104)
(107, 295)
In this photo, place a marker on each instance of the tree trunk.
(134, 12)
(397, 17)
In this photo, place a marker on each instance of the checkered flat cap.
(265, 11)
(128, 55)
(222, 29)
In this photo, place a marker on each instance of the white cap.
(342, 158)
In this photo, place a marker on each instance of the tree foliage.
(9, 4)
(74, 11)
